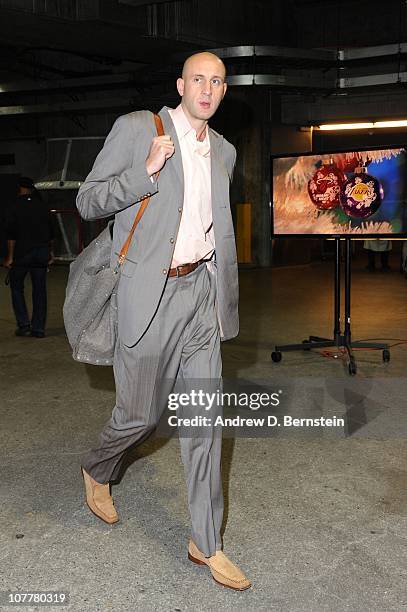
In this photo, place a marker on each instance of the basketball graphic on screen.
(324, 188)
(361, 195)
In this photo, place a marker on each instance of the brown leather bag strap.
(160, 132)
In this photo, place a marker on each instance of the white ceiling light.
(361, 126)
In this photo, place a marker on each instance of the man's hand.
(162, 148)
(8, 262)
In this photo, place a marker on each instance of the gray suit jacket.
(116, 185)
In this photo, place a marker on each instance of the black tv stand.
(339, 340)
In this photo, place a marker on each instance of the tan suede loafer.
(99, 500)
(222, 569)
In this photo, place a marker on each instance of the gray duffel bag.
(90, 307)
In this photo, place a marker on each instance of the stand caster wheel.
(306, 348)
(276, 356)
(352, 368)
(386, 355)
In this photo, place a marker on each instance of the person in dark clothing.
(29, 240)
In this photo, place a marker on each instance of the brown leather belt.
(185, 269)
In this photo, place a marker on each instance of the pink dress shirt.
(195, 238)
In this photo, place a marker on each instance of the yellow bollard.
(244, 233)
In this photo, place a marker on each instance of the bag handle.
(122, 256)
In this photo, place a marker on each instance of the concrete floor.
(317, 521)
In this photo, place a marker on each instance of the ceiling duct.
(75, 10)
(142, 2)
(285, 69)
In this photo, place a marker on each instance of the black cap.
(25, 181)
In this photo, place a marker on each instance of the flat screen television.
(356, 194)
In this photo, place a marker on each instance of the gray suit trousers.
(182, 345)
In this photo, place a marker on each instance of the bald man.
(177, 296)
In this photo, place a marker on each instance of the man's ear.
(225, 86)
(180, 86)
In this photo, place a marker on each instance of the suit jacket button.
(172, 240)
(180, 209)
(164, 271)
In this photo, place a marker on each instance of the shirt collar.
(182, 125)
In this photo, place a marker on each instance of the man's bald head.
(192, 60)
(202, 87)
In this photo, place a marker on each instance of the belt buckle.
(177, 270)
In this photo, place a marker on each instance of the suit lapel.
(175, 162)
(217, 167)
